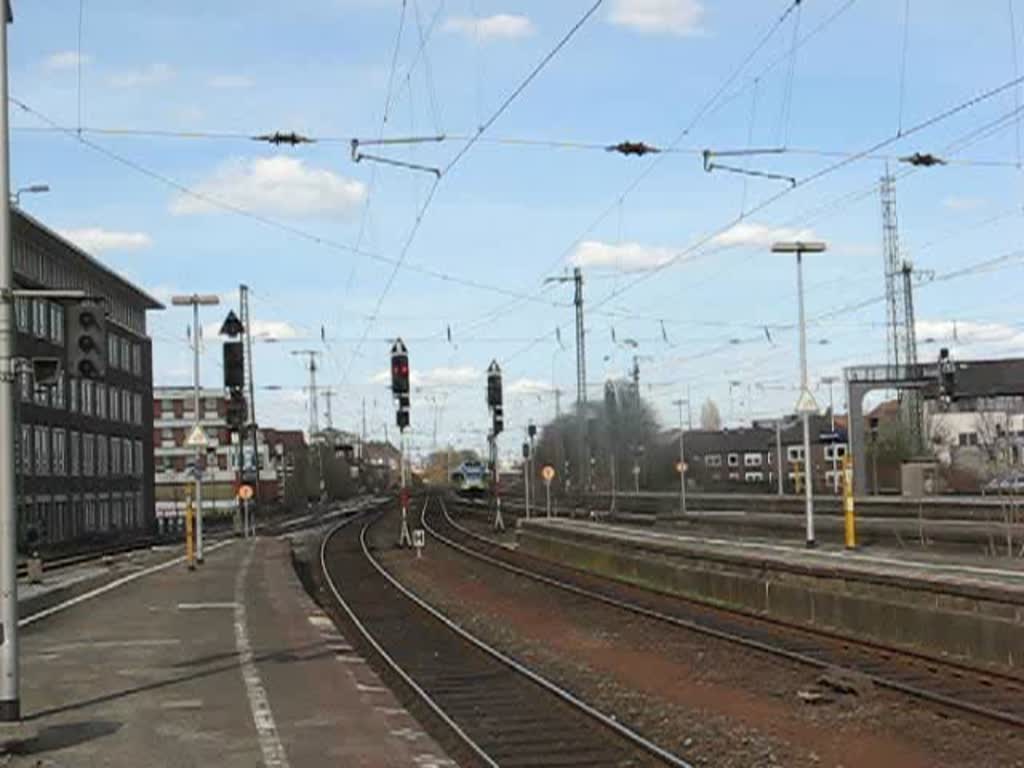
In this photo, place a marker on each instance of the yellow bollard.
(190, 555)
(849, 516)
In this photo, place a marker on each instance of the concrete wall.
(968, 623)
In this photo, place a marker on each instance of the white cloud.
(501, 26)
(528, 387)
(434, 377)
(760, 235)
(963, 334)
(627, 257)
(154, 74)
(97, 240)
(958, 203)
(62, 61)
(673, 17)
(229, 81)
(274, 185)
(273, 329)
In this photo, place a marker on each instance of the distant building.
(173, 420)
(744, 459)
(289, 458)
(84, 447)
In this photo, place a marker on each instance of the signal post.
(400, 390)
(494, 402)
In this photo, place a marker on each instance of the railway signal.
(494, 402)
(400, 389)
(87, 339)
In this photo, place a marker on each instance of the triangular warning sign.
(806, 403)
(197, 437)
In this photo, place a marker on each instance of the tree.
(710, 416)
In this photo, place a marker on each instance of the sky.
(139, 117)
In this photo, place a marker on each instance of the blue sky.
(508, 214)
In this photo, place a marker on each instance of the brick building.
(84, 463)
(173, 419)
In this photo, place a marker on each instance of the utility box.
(921, 478)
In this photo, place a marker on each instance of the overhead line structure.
(807, 180)
(455, 160)
(708, 107)
(271, 222)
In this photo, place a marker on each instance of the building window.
(967, 438)
(138, 458)
(112, 350)
(88, 393)
(835, 451)
(752, 460)
(26, 449)
(167, 436)
(72, 394)
(101, 400)
(39, 318)
(126, 407)
(88, 455)
(794, 453)
(137, 410)
(753, 477)
(137, 359)
(42, 450)
(734, 459)
(102, 464)
(126, 354)
(42, 396)
(23, 312)
(74, 453)
(57, 324)
(115, 456)
(115, 404)
(58, 393)
(25, 382)
(60, 452)
(129, 458)
(713, 460)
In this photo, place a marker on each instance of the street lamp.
(34, 189)
(195, 301)
(805, 405)
(682, 457)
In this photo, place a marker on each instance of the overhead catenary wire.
(505, 104)
(269, 221)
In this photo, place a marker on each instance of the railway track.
(984, 693)
(497, 710)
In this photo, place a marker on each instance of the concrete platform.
(956, 605)
(230, 665)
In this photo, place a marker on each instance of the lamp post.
(682, 456)
(33, 189)
(805, 405)
(196, 300)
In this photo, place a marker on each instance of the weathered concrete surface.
(970, 611)
(154, 674)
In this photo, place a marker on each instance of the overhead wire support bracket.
(278, 138)
(638, 148)
(358, 156)
(710, 166)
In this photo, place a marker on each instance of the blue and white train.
(469, 478)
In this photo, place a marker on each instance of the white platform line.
(110, 587)
(274, 755)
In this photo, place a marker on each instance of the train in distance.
(469, 478)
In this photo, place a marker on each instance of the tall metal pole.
(196, 420)
(808, 459)
(250, 375)
(581, 381)
(10, 703)
(778, 457)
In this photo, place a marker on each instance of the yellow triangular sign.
(197, 437)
